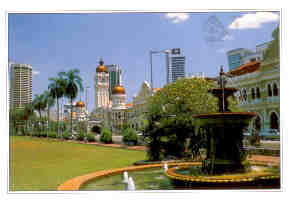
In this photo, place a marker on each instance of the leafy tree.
(106, 136)
(57, 89)
(39, 104)
(73, 85)
(273, 51)
(130, 136)
(170, 115)
(49, 103)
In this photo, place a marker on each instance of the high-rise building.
(235, 57)
(20, 89)
(175, 67)
(114, 77)
(240, 56)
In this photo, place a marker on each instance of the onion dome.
(118, 90)
(101, 67)
(80, 104)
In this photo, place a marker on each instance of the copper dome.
(118, 90)
(101, 67)
(80, 104)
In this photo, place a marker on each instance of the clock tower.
(101, 86)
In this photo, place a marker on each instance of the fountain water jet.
(131, 185)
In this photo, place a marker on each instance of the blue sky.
(57, 42)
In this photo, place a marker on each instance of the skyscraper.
(175, 66)
(114, 77)
(20, 89)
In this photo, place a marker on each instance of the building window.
(257, 123)
(245, 96)
(257, 92)
(269, 90)
(274, 123)
(275, 90)
(253, 93)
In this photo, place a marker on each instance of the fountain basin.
(261, 175)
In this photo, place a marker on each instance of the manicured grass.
(43, 164)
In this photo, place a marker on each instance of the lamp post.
(173, 51)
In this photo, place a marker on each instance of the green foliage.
(130, 136)
(170, 115)
(52, 134)
(273, 51)
(66, 135)
(81, 136)
(91, 137)
(106, 136)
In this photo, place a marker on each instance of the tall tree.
(39, 104)
(57, 88)
(49, 103)
(73, 85)
(170, 114)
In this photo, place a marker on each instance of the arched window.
(257, 123)
(253, 93)
(274, 122)
(257, 92)
(275, 90)
(245, 96)
(269, 90)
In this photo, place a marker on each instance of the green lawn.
(43, 164)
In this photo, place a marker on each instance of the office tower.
(114, 77)
(240, 56)
(175, 66)
(20, 89)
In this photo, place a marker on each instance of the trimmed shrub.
(66, 135)
(52, 134)
(130, 136)
(91, 137)
(80, 136)
(106, 136)
(43, 134)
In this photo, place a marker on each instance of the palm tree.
(73, 85)
(28, 113)
(39, 104)
(49, 103)
(57, 89)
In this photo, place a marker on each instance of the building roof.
(246, 68)
(118, 90)
(101, 67)
(129, 105)
(156, 89)
(80, 104)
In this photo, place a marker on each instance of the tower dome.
(101, 67)
(118, 90)
(80, 104)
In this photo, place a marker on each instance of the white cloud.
(254, 20)
(177, 17)
(228, 37)
(34, 72)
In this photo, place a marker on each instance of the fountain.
(225, 160)
(125, 177)
(165, 167)
(131, 185)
